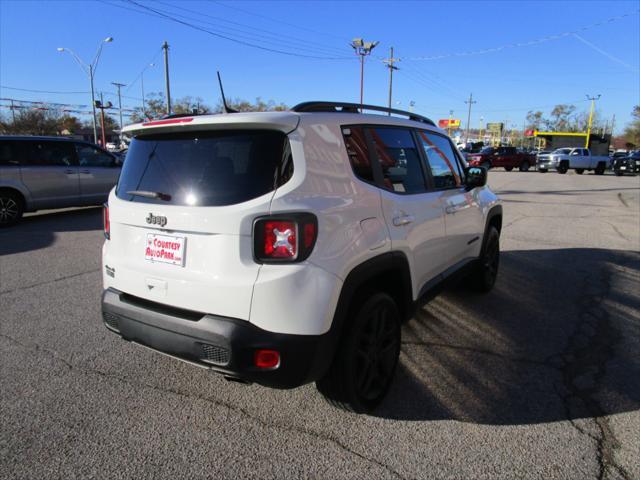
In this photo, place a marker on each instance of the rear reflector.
(107, 223)
(267, 359)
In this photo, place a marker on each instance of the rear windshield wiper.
(147, 194)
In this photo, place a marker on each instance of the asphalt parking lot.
(539, 379)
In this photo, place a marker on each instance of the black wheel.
(485, 273)
(600, 169)
(366, 360)
(11, 208)
(542, 170)
(579, 171)
(563, 168)
(524, 166)
(618, 173)
(508, 169)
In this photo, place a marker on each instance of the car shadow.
(39, 231)
(557, 338)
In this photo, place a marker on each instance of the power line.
(535, 41)
(277, 35)
(299, 27)
(42, 91)
(155, 12)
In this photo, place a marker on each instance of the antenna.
(227, 109)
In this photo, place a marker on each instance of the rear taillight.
(107, 224)
(284, 238)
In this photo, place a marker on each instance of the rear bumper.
(224, 345)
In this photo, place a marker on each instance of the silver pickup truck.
(578, 159)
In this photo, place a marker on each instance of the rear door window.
(399, 159)
(210, 168)
(48, 153)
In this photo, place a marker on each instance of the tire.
(618, 173)
(563, 168)
(366, 360)
(543, 170)
(11, 208)
(600, 169)
(485, 272)
(524, 166)
(508, 169)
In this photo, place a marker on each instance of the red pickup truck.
(507, 157)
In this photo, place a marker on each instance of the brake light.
(284, 238)
(107, 224)
(267, 359)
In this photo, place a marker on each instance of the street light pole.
(90, 69)
(93, 106)
(362, 49)
(593, 106)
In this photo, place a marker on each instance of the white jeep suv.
(287, 247)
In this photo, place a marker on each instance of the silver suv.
(52, 172)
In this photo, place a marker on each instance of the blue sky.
(603, 59)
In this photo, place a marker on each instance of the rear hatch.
(182, 213)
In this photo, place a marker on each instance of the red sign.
(529, 133)
(449, 123)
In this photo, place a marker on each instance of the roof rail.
(356, 108)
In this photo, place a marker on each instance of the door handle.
(69, 172)
(85, 171)
(403, 220)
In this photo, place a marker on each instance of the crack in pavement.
(39, 284)
(230, 407)
(583, 367)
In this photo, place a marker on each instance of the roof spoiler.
(345, 107)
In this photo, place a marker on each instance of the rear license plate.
(623, 168)
(165, 249)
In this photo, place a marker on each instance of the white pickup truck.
(578, 159)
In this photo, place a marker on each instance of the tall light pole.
(481, 128)
(165, 47)
(362, 49)
(471, 101)
(90, 70)
(593, 106)
(118, 86)
(390, 65)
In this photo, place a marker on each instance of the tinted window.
(399, 159)
(8, 153)
(442, 160)
(89, 156)
(358, 153)
(205, 168)
(47, 153)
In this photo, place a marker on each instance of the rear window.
(205, 168)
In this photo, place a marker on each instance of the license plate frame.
(167, 249)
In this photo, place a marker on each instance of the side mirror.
(476, 177)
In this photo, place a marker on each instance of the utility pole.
(165, 47)
(102, 106)
(481, 129)
(362, 49)
(390, 65)
(471, 101)
(593, 106)
(449, 124)
(119, 85)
